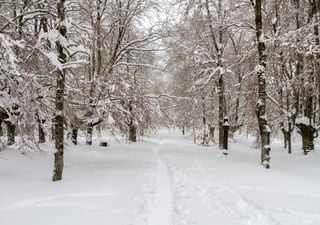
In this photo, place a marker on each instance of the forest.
(128, 66)
(237, 81)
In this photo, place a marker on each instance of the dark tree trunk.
(3, 117)
(221, 106)
(132, 133)
(11, 133)
(1, 130)
(289, 137)
(41, 134)
(132, 126)
(74, 135)
(308, 133)
(59, 102)
(53, 130)
(211, 131)
(261, 104)
(225, 136)
(204, 119)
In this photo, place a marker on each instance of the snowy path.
(188, 192)
(165, 180)
(162, 199)
(183, 190)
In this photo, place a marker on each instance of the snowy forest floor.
(163, 180)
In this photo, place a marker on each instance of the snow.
(267, 129)
(164, 180)
(259, 69)
(262, 37)
(274, 20)
(260, 103)
(54, 59)
(303, 120)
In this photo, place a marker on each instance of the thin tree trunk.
(11, 132)
(42, 136)
(221, 105)
(74, 135)
(1, 130)
(204, 119)
(89, 134)
(261, 104)
(132, 126)
(289, 137)
(59, 103)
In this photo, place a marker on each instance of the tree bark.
(74, 135)
(261, 104)
(53, 129)
(221, 106)
(218, 43)
(41, 134)
(89, 134)
(132, 133)
(1, 130)
(59, 101)
(132, 126)
(11, 132)
(204, 119)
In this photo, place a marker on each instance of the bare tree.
(262, 95)
(60, 90)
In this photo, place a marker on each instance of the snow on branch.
(277, 104)
(25, 15)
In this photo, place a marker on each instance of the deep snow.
(164, 180)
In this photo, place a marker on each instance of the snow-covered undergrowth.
(164, 180)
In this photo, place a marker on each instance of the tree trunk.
(225, 136)
(1, 130)
(11, 133)
(41, 134)
(204, 119)
(53, 132)
(74, 135)
(307, 134)
(89, 134)
(59, 101)
(261, 104)
(221, 105)
(285, 136)
(289, 138)
(132, 126)
(132, 133)
(218, 45)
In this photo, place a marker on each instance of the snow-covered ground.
(164, 180)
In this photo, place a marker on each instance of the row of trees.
(244, 60)
(76, 65)
(80, 65)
